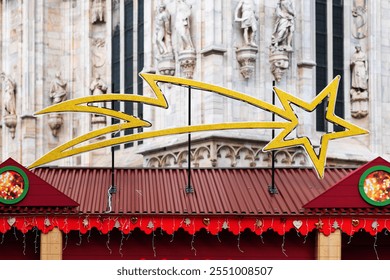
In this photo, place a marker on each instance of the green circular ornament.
(4, 195)
(370, 190)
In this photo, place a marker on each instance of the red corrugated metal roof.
(217, 191)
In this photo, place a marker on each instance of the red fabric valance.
(148, 224)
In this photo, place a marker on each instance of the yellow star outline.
(286, 112)
(330, 92)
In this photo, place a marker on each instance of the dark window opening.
(322, 61)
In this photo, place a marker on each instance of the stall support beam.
(329, 247)
(51, 245)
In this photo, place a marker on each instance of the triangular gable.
(39, 193)
(345, 193)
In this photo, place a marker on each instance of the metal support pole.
(189, 188)
(272, 188)
(112, 189)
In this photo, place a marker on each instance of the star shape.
(319, 224)
(286, 99)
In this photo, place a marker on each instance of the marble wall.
(73, 37)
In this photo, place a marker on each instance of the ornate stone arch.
(299, 158)
(226, 152)
(199, 154)
(245, 154)
(168, 160)
(182, 158)
(154, 162)
(283, 157)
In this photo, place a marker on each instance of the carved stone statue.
(183, 25)
(97, 11)
(248, 21)
(359, 69)
(57, 94)
(359, 84)
(284, 26)
(163, 30)
(58, 89)
(166, 63)
(359, 15)
(9, 98)
(9, 92)
(98, 87)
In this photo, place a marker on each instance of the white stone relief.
(281, 41)
(279, 64)
(246, 55)
(9, 98)
(359, 83)
(359, 19)
(97, 11)
(98, 87)
(163, 32)
(99, 52)
(9, 91)
(57, 94)
(187, 54)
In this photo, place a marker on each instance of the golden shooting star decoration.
(287, 113)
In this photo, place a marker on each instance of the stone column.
(29, 84)
(51, 245)
(329, 247)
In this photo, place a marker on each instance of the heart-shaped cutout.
(11, 221)
(206, 221)
(297, 224)
(134, 220)
(355, 222)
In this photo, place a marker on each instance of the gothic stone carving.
(165, 57)
(98, 87)
(248, 21)
(226, 155)
(9, 97)
(359, 18)
(99, 53)
(187, 54)
(284, 26)
(246, 57)
(359, 84)
(281, 41)
(187, 60)
(57, 94)
(183, 25)
(279, 63)
(97, 11)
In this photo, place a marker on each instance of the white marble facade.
(41, 38)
